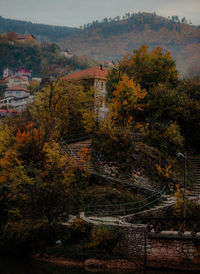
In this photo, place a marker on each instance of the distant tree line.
(42, 31)
(129, 22)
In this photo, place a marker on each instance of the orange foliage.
(127, 98)
(28, 136)
(85, 156)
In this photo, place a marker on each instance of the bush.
(104, 237)
(79, 230)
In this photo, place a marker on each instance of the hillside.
(43, 59)
(41, 31)
(113, 38)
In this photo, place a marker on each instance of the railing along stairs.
(116, 209)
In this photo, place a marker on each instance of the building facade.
(97, 77)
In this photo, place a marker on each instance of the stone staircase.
(75, 150)
(77, 147)
(194, 165)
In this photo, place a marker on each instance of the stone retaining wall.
(173, 251)
(132, 242)
(166, 249)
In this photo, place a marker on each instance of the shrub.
(79, 230)
(104, 237)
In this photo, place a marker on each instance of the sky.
(75, 13)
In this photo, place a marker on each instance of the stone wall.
(166, 249)
(173, 251)
(132, 242)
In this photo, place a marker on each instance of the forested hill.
(41, 31)
(44, 59)
(112, 38)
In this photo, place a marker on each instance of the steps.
(76, 151)
(194, 165)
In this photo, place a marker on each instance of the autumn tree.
(148, 68)
(58, 109)
(127, 99)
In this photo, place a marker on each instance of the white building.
(13, 81)
(18, 103)
(16, 91)
(16, 97)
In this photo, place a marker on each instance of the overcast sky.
(78, 12)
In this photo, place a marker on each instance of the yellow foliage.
(164, 171)
(179, 194)
(53, 157)
(174, 135)
(127, 98)
(7, 137)
(7, 164)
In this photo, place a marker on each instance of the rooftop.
(17, 88)
(95, 72)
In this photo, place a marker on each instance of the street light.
(181, 155)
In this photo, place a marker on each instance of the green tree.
(148, 68)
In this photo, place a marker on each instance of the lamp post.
(185, 168)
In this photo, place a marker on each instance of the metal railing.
(118, 209)
(125, 208)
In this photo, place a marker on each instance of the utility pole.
(185, 175)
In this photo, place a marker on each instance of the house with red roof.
(14, 80)
(23, 72)
(16, 91)
(96, 76)
(26, 38)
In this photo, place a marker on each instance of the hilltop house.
(26, 38)
(12, 81)
(23, 72)
(97, 79)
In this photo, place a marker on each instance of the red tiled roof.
(88, 73)
(17, 88)
(15, 77)
(23, 70)
(25, 36)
